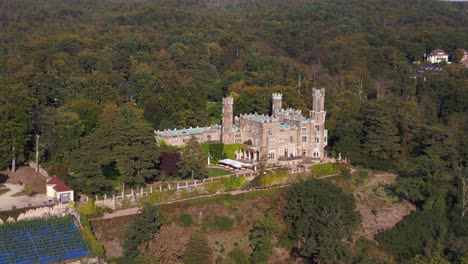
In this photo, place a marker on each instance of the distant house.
(437, 56)
(59, 191)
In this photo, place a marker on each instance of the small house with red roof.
(437, 56)
(59, 191)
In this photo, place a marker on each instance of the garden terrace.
(41, 241)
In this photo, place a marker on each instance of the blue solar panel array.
(41, 241)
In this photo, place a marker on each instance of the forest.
(84, 83)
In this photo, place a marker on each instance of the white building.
(437, 56)
(59, 191)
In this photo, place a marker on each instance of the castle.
(286, 135)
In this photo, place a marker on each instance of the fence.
(114, 201)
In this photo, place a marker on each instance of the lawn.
(230, 199)
(325, 169)
(214, 172)
(4, 190)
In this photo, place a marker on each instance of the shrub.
(229, 149)
(198, 250)
(142, 229)
(90, 210)
(186, 220)
(233, 182)
(223, 223)
(88, 235)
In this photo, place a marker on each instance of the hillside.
(226, 221)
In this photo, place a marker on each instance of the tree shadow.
(3, 178)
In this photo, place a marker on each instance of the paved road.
(7, 200)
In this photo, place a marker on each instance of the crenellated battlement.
(228, 100)
(277, 96)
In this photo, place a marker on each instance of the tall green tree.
(192, 161)
(142, 229)
(15, 123)
(321, 216)
(260, 237)
(381, 139)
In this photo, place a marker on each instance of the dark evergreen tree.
(321, 216)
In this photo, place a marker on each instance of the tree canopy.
(321, 216)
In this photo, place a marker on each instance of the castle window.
(317, 140)
(304, 129)
(291, 139)
(304, 139)
(271, 142)
(317, 127)
(238, 141)
(208, 137)
(271, 155)
(270, 131)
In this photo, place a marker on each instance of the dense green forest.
(90, 80)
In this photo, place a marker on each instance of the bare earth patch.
(380, 211)
(111, 232)
(35, 181)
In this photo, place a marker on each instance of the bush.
(412, 234)
(232, 183)
(90, 210)
(88, 235)
(186, 220)
(223, 223)
(198, 250)
(229, 149)
(142, 229)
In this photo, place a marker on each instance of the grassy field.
(214, 172)
(4, 190)
(325, 169)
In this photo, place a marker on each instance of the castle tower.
(227, 120)
(276, 104)
(318, 107)
(317, 115)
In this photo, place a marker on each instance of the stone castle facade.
(284, 136)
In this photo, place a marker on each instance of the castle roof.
(284, 126)
(185, 131)
(259, 118)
